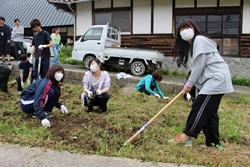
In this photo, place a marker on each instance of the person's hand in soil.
(166, 98)
(157, 95)
(64, 109)
(45, 123)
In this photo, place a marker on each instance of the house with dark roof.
(49, 15)
(152, 24)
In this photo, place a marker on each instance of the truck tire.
(138, 68)
(86, 60)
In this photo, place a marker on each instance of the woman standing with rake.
(211, 77)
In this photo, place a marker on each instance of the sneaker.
(181, 139)
(188, 143)
(219, 147)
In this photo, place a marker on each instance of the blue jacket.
(146, 83)
(44, 95)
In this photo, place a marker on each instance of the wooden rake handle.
(152, 119)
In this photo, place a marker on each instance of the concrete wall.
(238, 66)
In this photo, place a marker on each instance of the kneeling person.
(41, 97)
(25, 68)
(96, 85)
(150, 85)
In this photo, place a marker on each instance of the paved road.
(17, 156)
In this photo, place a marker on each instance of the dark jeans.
(98, 100)
(18, 79)
(19, 49)
(44, 67)
(204, 116)
(4, 77)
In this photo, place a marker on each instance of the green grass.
(65, 56)
(241, 81)
(104, 134)
(177, 74)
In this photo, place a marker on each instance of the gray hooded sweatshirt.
(209, 72)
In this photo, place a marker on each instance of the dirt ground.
(105, 133)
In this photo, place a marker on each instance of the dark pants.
(29, 108)
(204, 116)
(44, 67)
(4, 77)
(19, 49)
(4, 49)
(98, 100)
(18, 79)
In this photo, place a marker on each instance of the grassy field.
(104, 134)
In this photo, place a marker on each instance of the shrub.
(241, 81)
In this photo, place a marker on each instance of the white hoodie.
(209, 72)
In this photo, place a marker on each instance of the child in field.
(25, 73)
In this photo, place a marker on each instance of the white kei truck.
(104, 43)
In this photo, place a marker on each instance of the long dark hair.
(182, 47)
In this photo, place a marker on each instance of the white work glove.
(98, 92)
(64, 109)
(90, 94)
(45, 123)
(28, 81)
(188, 96)
(22, 84)
(42, 46)
(166, 98)
(157, 95)
(31, 59)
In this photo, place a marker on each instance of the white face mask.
(58, 76)
(93, 68)
(187, 34)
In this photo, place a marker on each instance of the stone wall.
(239, 67)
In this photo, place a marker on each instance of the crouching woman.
(150, 85)
(41, 97)
(96, 85)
